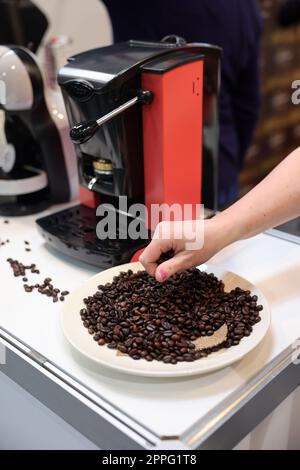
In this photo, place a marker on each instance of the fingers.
(176, 264)
(159, 244)
(150, 256)
(162, 242)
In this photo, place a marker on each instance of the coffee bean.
(139, 340)
(133, 352)
(167, 359)
(167, 334)
(150, 327)
(136, 357)
(175, 337)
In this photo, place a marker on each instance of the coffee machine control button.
(79, 90)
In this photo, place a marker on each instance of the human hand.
(193, 243)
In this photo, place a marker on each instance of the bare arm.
(272, 202)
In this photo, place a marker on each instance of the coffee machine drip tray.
(73, 232)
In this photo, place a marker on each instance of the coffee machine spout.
(84, 131)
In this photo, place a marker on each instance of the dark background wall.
(278, 131)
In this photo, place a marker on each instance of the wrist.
(226, 229)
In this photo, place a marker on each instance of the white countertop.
(165, 407)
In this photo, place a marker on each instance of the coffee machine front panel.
(111, 163)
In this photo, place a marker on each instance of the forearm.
(272, 202)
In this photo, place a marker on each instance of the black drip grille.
(73, 232)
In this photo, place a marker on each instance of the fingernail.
(163, 274)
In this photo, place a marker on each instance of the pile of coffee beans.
(46, 288)
(22, 270)
(148, 320)
(19, 269)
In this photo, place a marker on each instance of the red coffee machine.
(144, 120)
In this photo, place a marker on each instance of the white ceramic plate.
(79, 338)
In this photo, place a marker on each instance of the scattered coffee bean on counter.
(148, 320)
(46, 288)
(27, 246)
(6, 221)
(19, 269)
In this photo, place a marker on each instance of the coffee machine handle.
(84, 131)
